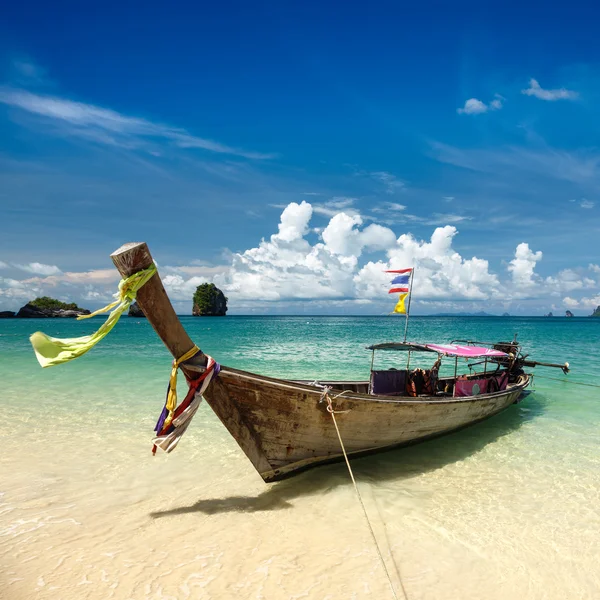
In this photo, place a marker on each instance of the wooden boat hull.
(284, 426)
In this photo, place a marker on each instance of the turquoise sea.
(509, 508)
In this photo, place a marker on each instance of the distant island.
(45, 308)
(136, 311)
(209, 301)
(467, 314)
(596, 313)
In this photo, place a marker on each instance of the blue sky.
(195, 127)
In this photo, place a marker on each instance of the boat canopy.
(446, 349)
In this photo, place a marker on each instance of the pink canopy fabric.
(464, 351)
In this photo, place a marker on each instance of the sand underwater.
(509, 508)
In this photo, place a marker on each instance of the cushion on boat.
(391, 382)
(470, 387)
(474, 387)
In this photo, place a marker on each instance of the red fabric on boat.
(466, 387)
(470, 387)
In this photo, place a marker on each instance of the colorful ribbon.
(53, 351)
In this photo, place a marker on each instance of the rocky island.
(209, 301)
(136, 311)
(45, 307)
(596, 313)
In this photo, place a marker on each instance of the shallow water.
(505, 509)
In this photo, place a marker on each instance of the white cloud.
(391, 182)
(294, 221)
(334, 272)
(441, 272)
(588, 302)
(15, 290)
(3, 265)
(109, 127)
(335, 205)
(342, 237)
(26, 72)
(570, 302)
(450, 218)
(536, 90)
(40, 269)
(180, 289)
(522, 266)
(387, 207)
(496, 103)
(568, 280)
(448, 198)
(586, 203)
(473, 106)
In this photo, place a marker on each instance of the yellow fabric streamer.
(53, 351)
(400, 308)
(171, 403)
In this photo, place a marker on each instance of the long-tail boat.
(285, 426)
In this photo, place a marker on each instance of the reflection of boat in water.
(284, 426)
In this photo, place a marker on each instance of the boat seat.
(474, 387)
(391, 382)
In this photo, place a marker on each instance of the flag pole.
(412, 275)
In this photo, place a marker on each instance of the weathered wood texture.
(294, 429)
(155, 303)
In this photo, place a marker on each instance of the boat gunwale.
(357, 396)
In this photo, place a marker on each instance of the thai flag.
(401, 281)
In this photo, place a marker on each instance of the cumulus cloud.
(568, 280)
(345, 266)
(570, 302)
(294, 221)
(585, 302)
(537, 91)
(522, 266)
(473, 106)
(40, 268)
(341, 236)
(17, 290)
(441, 272)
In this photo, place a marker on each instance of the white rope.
(333, 412)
